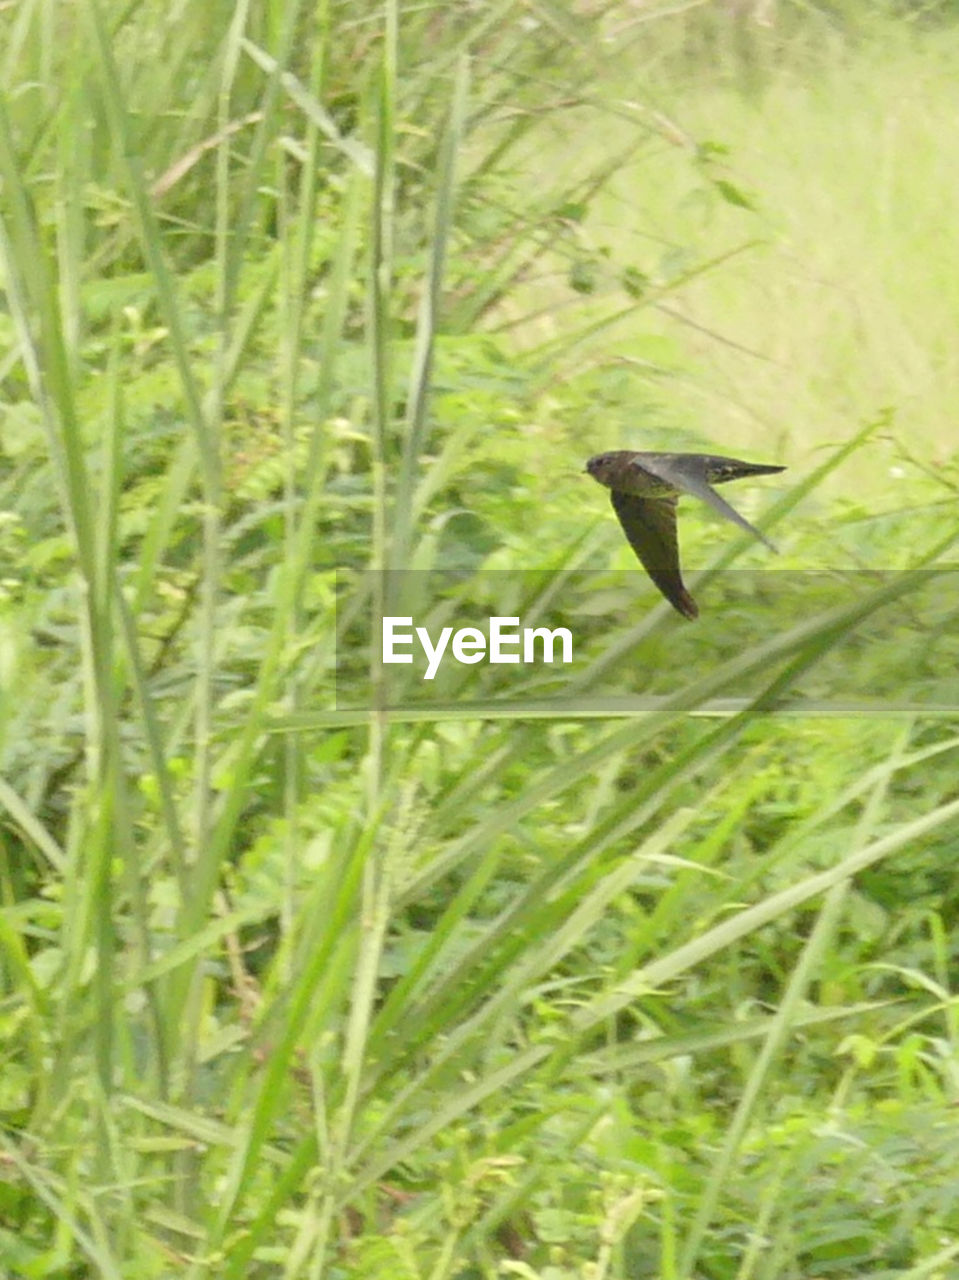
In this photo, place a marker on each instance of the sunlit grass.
(589, 982)
(845, 301)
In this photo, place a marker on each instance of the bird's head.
(602, 467)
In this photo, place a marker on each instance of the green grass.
(846, 305)
(639, 970)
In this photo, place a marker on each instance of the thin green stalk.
(429, 316)
(822, 934)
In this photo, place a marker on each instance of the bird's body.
(644, 489)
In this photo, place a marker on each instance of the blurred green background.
(643, 973)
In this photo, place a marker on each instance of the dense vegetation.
(639, 969)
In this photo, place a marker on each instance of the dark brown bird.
(644, 489)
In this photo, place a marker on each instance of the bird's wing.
(699, 487)
(650, 526)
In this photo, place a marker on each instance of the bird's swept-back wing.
(684, 479)
(650, 526)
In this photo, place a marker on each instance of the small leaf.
(634, 281)
(572, 211)
(582, 276)
(733, 195)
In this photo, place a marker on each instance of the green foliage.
(639, 970)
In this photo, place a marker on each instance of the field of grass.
(634, 970)
(849, 304)
(839, 295)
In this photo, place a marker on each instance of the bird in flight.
(644, 489)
